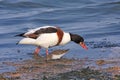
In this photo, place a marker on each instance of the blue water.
(98, 21)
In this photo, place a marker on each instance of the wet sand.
(63, 69)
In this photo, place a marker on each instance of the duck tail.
(27, 41)
(22, 35)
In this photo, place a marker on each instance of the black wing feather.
(46, 30)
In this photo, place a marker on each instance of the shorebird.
(49, 36)
(56, 54)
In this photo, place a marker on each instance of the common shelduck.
(49, 36)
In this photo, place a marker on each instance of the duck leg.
(37, 50)
(47, 54)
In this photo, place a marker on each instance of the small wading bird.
(49, 36)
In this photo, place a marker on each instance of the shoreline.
(39, 69)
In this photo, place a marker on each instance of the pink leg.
(47, 52)
(37, 50)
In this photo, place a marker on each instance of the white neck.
(66, 38)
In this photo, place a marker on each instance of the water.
(96, 20)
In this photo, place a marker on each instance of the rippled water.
(98, 21)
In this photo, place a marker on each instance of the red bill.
(82, 44)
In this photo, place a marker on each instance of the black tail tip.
(17, 43)
(22, 34)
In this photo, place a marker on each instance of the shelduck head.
(79, 40)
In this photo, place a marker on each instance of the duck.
(49, 36)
